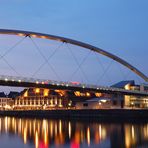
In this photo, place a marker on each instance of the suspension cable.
(78, 64)
(123, 75)
(7, 52)
(79, 67)
(126, 75)
(102, 66)
(46, 60)
(107, 68)
(42, 65)
(10, 49)
(11, 67)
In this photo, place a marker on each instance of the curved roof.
(78, 43)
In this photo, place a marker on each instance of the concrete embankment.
(109, 114)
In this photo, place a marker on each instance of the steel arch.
(77, 43)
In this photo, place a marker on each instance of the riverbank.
(106, 114)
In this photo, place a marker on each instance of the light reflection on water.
(44, 133)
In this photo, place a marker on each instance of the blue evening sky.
(117, 26)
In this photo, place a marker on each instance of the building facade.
(127, 101)
(39, 98)
(5, 101)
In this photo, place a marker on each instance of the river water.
(45, 133)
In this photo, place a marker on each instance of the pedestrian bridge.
(69, 86)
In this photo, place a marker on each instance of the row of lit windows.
(39, 102)
(140, 100)
(86, 94)
(3, 103)
(4, 100)
(38, 97)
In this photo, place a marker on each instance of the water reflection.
(44, 133)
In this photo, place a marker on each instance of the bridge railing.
(67, 84)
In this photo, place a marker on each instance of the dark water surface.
(44, 133)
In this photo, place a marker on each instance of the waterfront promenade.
(88, 114)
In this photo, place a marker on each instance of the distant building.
(123, 84)
(119, 100)
(133, 101)
(39, 98)
(5, 101)
(144, 87)
(94, 103)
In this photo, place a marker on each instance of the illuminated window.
(98, 94)
(88, 94)
(26, 94)
(77, 93)
(37, 90)
(127, 87)
(46, 91)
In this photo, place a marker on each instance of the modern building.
(133, 101)
(144, 87)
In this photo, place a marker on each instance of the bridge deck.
(31, 82)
